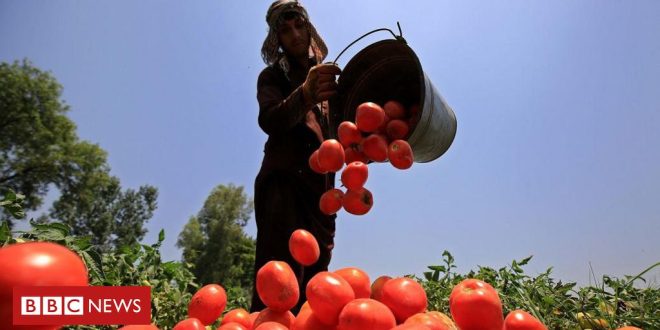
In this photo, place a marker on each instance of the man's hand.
(320, 83)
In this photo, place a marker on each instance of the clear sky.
(557, 153)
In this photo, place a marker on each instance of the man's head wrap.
(270, 51)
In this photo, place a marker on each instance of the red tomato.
(358, 279)
(369, 116)
(410, 327)
(331, 201)
(629, 328)
(331, 156)
(277, 286)
(405, 297)
(431, 322)
(400, 154)
(271, 326)
(327, 294)
(374, 147)
(397, 129)
(475, 304)
(349, 135)
(189, 324)
(314, 163)
(382, 129)
(307, 320)
(232, 326)
(414, 116)
(268, 315)
(521, 320)
(358, 202)
(365, 313)
(36, 264)
(238, 315)
(208, 303)
(354, 176)
(304, 248)
(394, 109)
(444, 319)
(377, 287)
(253, 317)
(139, 327)
(354, 155)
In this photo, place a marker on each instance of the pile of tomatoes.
(377, 135)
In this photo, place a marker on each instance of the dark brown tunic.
(287, 191)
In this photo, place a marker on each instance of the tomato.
(587, 321)
(208, 303)
(394, 109)
(277, 286)
(397, 129)
(382, 129)
(353, 154)
(349, 135)
(521, 320)
(327, 294)
(374, 147)
(189, 324)
(253, 317)
(411, 327)
(400, 154)
(139, 327)
(629, 328)
(307, 320)
(271, 326)
(238, 315)
(232, 326)
(304, 248)
(413, 116)
(377, 287)
(36, 264)
(270, 316)
(314, 163)
(331, 156)
(405, 297)
(357, 202)
(331, 201)
(354, 176)
(431, 322)
(358, 279)
(366, 313)
(475, 304)
(369, 116)
(444, 319)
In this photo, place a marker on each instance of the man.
(292, 92)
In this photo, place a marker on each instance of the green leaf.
(5, 233)
(161, 235)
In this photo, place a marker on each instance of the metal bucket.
(390, 70)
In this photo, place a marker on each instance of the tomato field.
(343, 299)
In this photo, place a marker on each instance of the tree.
(214, 240)
(39, 150)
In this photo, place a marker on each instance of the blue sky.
(557, 152)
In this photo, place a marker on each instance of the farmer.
(293, 111)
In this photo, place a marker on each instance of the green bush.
(556, 304)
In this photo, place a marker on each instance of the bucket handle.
(399, 37)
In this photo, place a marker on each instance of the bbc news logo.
(72, 305)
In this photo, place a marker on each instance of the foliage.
(131, 265)
(555, 303)
(40, 150)
(215, 243)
